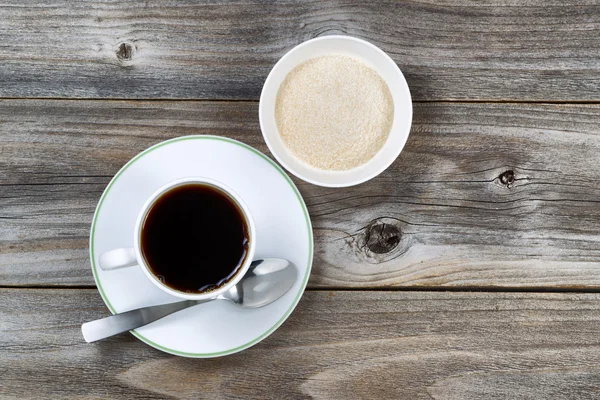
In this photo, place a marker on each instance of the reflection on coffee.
(194, 238)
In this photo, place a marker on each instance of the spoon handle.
(119, 323)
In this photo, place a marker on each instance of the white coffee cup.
(132, 256)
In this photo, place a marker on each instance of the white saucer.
(283, 230)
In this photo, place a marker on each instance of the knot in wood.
(507, 178)
(125, 51)
(382, 238)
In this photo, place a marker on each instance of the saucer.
(283, 230)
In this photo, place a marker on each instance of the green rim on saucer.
(308, 228)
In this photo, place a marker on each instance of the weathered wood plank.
(384, 345)
(484, 195)
(459, 49)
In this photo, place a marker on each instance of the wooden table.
(470, 269)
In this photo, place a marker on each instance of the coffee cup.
(194, 238)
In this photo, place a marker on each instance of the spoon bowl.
(262, 284)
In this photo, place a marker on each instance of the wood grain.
(457, 49)
(483, 195)
(359, 345)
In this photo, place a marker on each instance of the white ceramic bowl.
(373, 57)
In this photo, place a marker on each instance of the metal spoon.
(265, 281)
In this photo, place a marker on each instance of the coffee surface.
(194, 238)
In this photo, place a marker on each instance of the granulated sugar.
(334, 112)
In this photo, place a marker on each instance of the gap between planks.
(367, 289)
(169, 100)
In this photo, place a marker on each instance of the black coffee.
(194, 238)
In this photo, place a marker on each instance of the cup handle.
(117, 258)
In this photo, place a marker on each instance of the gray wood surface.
(483, 196)
(499, 194)
(336, 345)
(457, 49)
